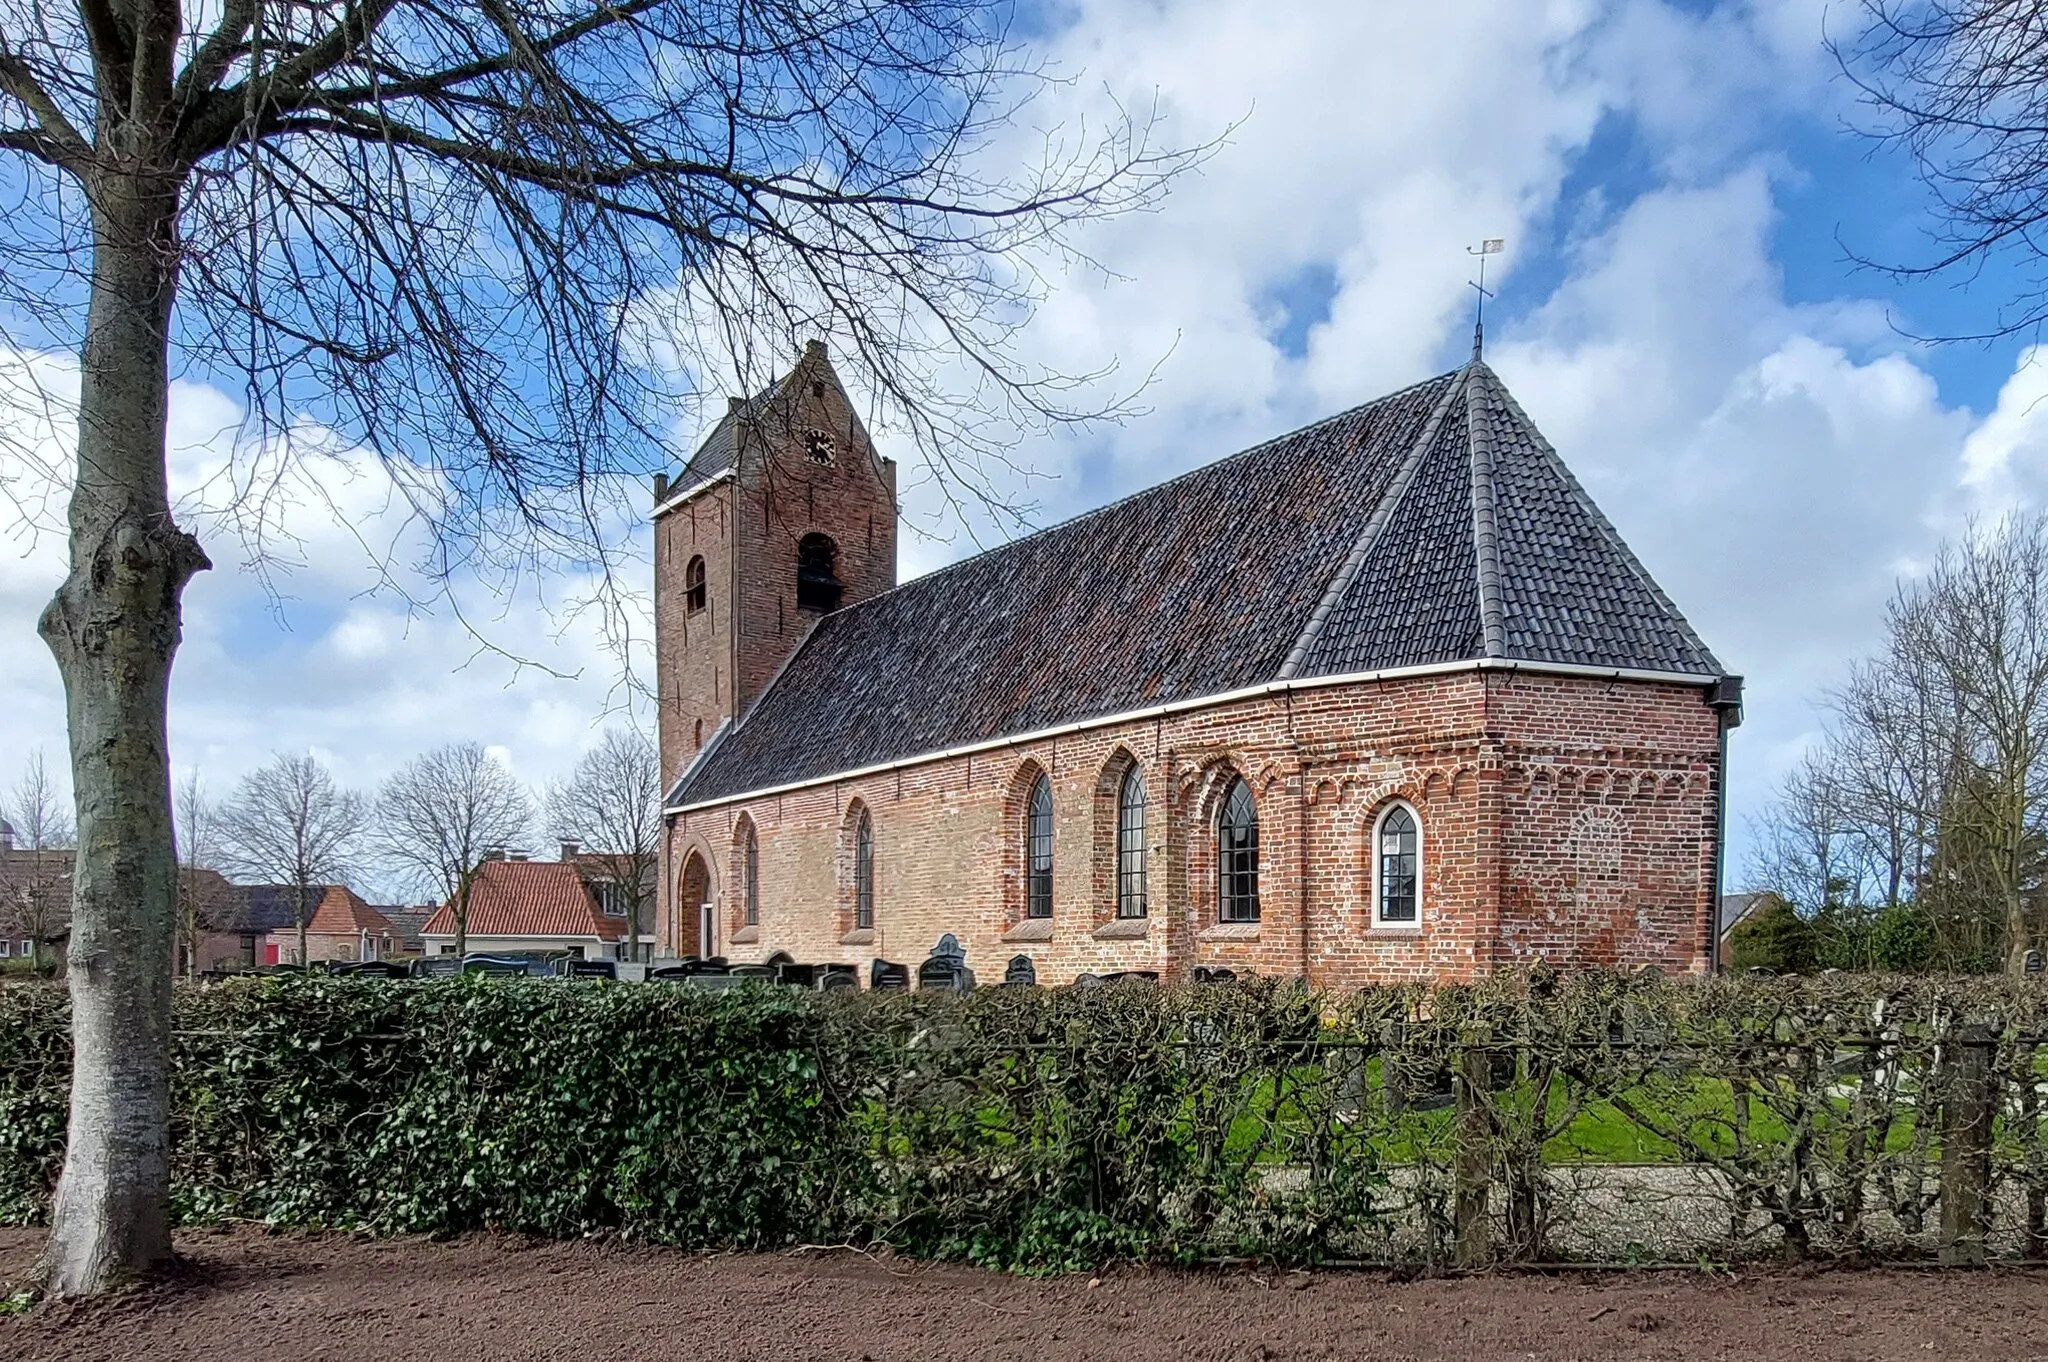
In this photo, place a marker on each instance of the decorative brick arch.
(849, 873)
(696, 885)
(744, 865)
(1201, 801)
(1010, 830)
(1103, 831)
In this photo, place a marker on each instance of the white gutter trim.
(695, 489)
(1477, 664)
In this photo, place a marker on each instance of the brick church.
(1383, 698)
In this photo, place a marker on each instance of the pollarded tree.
(497, 244)
(440, 813)
(611, 804)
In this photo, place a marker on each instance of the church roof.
(1433, 525)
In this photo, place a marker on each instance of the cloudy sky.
(1675, 309)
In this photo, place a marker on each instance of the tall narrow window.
(1398, 846)
(1130, 845)
(1237, 855)
(864, 874)
(817, 573)
(1038, 850)
(750, 876)
(693, 585)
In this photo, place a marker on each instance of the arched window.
(1237, 855)
(693, 585)
(1130, 845)
(1038, 849)
(817, 573)
(750, 877)
(1397, 858)
(864, 874)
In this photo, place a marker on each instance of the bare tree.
(611, 804)
(35, 882)
(441, 813)
(201, 906)
(288, 823)
(1807, 849)
(502, 247)
(1962, 87)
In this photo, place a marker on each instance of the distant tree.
(441, 813)
(288, 823)
(612, 804)
(201, 906)
(35, 888)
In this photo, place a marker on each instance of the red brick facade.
(1564, 814)
(1568, 819)
(745, 525)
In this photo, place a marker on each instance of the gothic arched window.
(864, 874)
(750, 877)
(1237, 855)
(1130, 845)
(1397, 862)
(817, 573)
(1038, 849)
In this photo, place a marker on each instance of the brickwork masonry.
(1563, 819)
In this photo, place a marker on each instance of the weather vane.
(1493, 245)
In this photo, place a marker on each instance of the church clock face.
(818, 446)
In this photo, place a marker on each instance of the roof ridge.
(1599, 518)
(1374, 527)
(1485, 525)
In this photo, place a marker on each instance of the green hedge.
(1056, 1128)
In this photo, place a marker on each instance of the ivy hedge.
(1528, 1118)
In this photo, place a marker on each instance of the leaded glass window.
(1038, 850)
(1237, 855)
(1130, 845)
(864, 873)
(750, 871)
(1398, 845)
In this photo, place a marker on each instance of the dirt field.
(250, 1295)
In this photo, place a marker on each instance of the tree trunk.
(462, 918)
(300, 923)
(114, 626)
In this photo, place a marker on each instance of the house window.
(1397, 848)
(611, 897)
(1038, 850)
(693, 585)
(864, 874)
(1237, 855)
(750, 877)
(817, 573)
(1130, 845)
(4, 948)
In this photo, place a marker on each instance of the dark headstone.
(781, 958)
(752, 971)
(833, 978)
(883, 974)
(942, 972)
(1021, 970)
(590, 969)
(1087, 981)
(1214, 974)
(948, 948)
(2033, 962)
(795, 975)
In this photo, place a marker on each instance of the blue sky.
(1675, 309)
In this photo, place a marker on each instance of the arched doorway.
(696, 913)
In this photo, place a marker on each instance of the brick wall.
(1563, 819)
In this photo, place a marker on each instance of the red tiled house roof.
(341, 913)
(527, 898)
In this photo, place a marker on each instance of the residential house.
(518, 905)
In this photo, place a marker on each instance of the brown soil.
(245, 1294)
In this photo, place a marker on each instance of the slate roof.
(1432, 525)
(271, 907)
(527, 898)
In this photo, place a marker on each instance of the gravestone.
(836, 978)
(1214, 974)
(1022, 971)
(2034, 962)
(795, 975)
(883, 974)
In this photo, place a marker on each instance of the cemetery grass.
(243, 1294)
